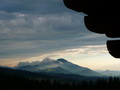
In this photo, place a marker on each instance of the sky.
(32, 30)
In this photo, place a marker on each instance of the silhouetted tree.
(18, 82)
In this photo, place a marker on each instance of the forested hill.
(18, 82)
(64, 77)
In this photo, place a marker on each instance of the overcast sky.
(32, 29)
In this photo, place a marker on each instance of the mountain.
(110, 73)
(60, 66)
(55, 70)
(76, 69)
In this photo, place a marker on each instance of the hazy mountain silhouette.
(110, 73)
(60, 66)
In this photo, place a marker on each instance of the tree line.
(17, 82)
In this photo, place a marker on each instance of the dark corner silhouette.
(101, 17)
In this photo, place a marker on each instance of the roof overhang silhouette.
(101, 17)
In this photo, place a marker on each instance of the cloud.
(32, 7)
(33, 28)
(74, 52)
(34, 62)
(83, 50)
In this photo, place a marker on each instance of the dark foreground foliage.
(16, 82)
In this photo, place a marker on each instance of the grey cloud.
(30, 26)
(32, 6)
(26, 34)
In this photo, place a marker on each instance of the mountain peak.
(62, 60)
